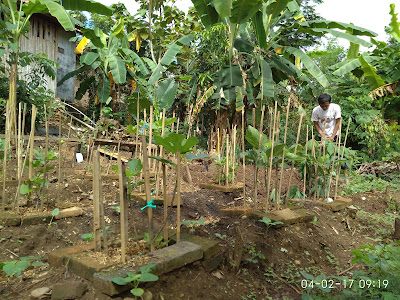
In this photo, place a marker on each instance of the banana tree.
(17, 15)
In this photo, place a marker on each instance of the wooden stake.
(96, 201)
(341, 158)
(32, 140)
(6, 146)
(244, 157)
(150, 137)
(146, 169)
(123, 204)
(161, 154)
(258, 155)
(227, 160)
(319, 156)
(46, 151)
(59, 161)
(295, 151)
(234, 154)
(337, 145)
(177, 126)
(178, 194)
(278, 122)
(254, 117)
(283, 155)
(305, 167)
(165, 197)
(267, 206)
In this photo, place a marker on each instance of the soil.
(271, 260)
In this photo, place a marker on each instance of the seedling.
(54, 213)
(158, 241)
(193, 223)
(269, 223)
(135, 279)
(90, 236)
(16, 267)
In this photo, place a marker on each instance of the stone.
(69, 212)
(165, 260)
(68, 290)
(235, 211)
(335, 205)
(147, 295)
(39, 218)
(60, 257)
(210, 247)
(9, 219)
(40, 292)
(286, 216)
(232, 188)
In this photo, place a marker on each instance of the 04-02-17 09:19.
(345, 284)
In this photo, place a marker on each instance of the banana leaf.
(243, 10)
(253, 137)
(208, 14)
(117, 68)
(165, 93)
(373, 79)
(223, 7)
(394, 24)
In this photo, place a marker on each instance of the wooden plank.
(113, 155)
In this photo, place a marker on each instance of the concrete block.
(165, 260)
(235, 187)
(38, 218)
(235, 211)
(9, 219)
(71, 289)
(85, 265)
(210, 247)
(60, 257)
(286, 216)
(335, 205)
(212, 263)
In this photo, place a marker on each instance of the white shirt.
(331, 114)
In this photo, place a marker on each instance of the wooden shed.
(49, 37)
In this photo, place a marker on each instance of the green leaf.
(253, 137)
(373, 79)
(87, 5)
(84, 86)
(56, 10)
(243, 10)
(275, 8)
(147, 277)
(72, 74)
(165, 93)
(25, 189)
(137, 292)
(87, 236)
(310, 65)
(339, 25)
(89, 58)
(55, 212)
(258, 26)
(223, 7)
(162, 160)
(174, 142)
(103, 93)
(343, 35)
(15, 268)
(117, 28)
(120, 280)
(206, 11)
(147, 268)
(267, 83)
(137, 60)
(394, 24)
(2, 51)
(96, 37)
(117, 68)
(135, 166)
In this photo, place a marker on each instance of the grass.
(365, 183)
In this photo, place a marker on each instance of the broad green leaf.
(2, 52)
(137, 292)
(223, 7)
(353, 51)
(34, 7)
(207, 12)
(175, 48)
(230, 76)
(120, 280)
(94, 35)
(192, 156)
(350, 65)
(89, 58)
(267, 82)
(56, 10)
(147, 268)
(253, 137)
(117, 68)
(326, 24)
(135, 166)
(275, 8)
(239, 98)
(294, 8)
(55, 212)
(137, 60)
(87, 5)
(243, 10)
(174, 142)
(258, 26)
(310, 65)
(25, 189)
(157, 74)
(147, 277)
(373, 79)
(103, 92)
(165, 93)
(15, 268)
(394, 24)
(343, 35)
(162, 160)
(84, 86)
(118, 28)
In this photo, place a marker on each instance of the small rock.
(297, 228)
(310, 230)
(147, 295)
(40, 292)
(312, 261)
(68, 290)
(244, 217)
(66, 185)
(297, 262)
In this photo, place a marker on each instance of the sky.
(370, 14)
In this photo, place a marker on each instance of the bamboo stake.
(172, 125)
(319, 156)
(123, 204)
(218, 152)
(337, 148)
(146, 169)
(96, 201)
(234, 154)
(59, 161)
(150, 137)
(278, 122)
(295, 151)
(313, 154)
(227, 160)
(270, 125)
(19, 154)
(177, 126)
(111, 159)
(244, 157)
(165, 199)
(178, 191)
(254, 117)
(137, 129)
(341, 158)
(267, 206)
(161, 154)
(46, 151)
(32, 140)
(283, 155)
(6, 146)
(305, 167)
(258, 155)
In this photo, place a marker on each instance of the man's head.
(324, 101)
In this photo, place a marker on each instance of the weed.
(54, 213)
(158, 241)
(16, 267)
(220, 236)
(269, 223)
(135, 279)
(90, 236)
(193, 223)
(255, 255)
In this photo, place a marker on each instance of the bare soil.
(271, 261)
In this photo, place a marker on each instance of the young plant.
(54, 213)
(90, 236)
(158, 241)
(193, 223)
(269, 223)
(16, 267)
(135, 279)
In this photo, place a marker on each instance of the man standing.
(328, 113)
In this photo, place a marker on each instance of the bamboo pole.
(258, 155)
(123, 204)
(295, 151)
(178, 191)
(274, 119)
(150, 137)
(254, 117)
(165, 199)
(244, 157)
(305, 167)
(227, 160)
(337, 148)
(19, 154)
(341, 158)
(234, 154)
(319, 156)
(146, 169)
(6, 146)
(278, 122)
(283, 154)
(96, 201)
(32, 140)
(161, 154)
(59, 161)
(313, 155)
(46, 151)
